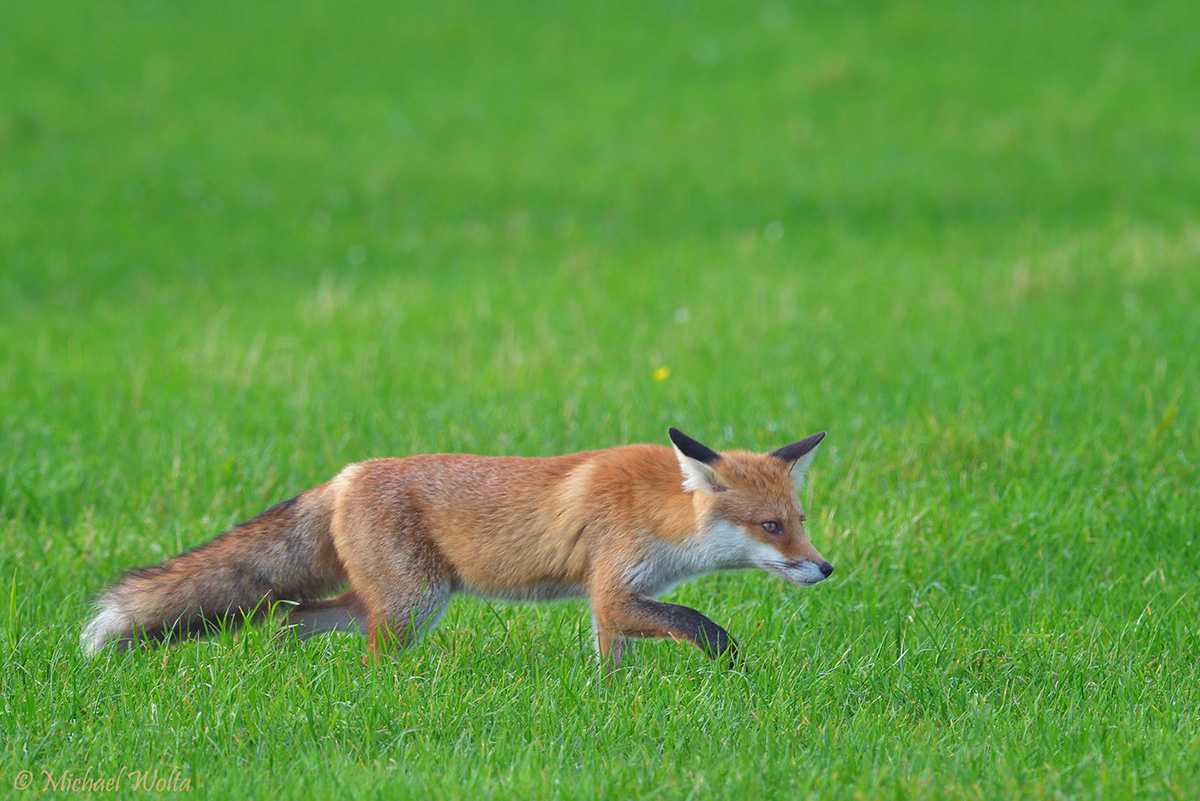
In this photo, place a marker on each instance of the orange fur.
(615, 525)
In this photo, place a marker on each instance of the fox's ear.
(799, 454)
(696, 460)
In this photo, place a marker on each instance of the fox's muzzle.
(801, 571)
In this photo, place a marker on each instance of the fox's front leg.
(639, 616)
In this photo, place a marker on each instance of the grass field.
(242, 244)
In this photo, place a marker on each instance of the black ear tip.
(797, 450)
(691, 448)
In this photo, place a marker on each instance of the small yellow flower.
(662, 373)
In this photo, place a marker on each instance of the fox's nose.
(826, 569)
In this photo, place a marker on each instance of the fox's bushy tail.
(286, 553)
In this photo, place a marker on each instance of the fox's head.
(751, 510)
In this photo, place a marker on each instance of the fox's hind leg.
(396, 572)
(344, 612)
(400, 619)
(402, 597)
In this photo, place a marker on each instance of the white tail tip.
(108, 624)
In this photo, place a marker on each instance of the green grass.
(244, 244)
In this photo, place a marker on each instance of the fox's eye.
(771, 527)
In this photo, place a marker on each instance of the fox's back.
(518, 527)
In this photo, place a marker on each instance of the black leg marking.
(710, 638)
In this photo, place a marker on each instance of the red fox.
(617, 526)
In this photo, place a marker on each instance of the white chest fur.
(722, 546)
